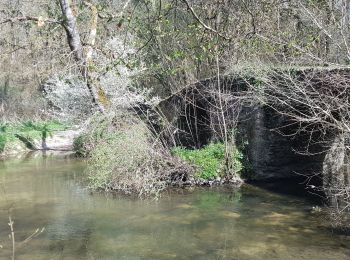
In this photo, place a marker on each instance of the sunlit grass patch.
(28, 129)
(210, 159)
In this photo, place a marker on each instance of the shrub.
(2, 142)
(3, 138)
(210, 160)
(125, 156)
(79, 146)
(98, 130)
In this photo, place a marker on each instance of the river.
(48, 193)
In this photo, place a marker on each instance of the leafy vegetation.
(123, 155)
(210, 160)
(2, 141)
(28, 130)
(159, 47)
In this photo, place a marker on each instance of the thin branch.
(119, 15)
(205, 26)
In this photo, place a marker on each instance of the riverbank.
(26, 137)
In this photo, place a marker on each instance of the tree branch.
(119, 15)
(205, 26)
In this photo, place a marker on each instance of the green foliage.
(79, 146)
(237, 159)
(210, 160)
(2, 137)
(2, 142)
(179, 46)
(43, 128)
(27, 130)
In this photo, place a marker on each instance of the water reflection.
(217, 223)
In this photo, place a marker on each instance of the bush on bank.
(124, 155)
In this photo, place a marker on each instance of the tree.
(82, 52)
(84, 60)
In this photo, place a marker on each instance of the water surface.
(213, 223)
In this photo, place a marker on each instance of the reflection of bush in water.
(214, 200)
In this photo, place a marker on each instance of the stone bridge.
(273, 148)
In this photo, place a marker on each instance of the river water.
(47, 193)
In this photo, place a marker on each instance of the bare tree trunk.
(93, 84)
(75, 44)
(70, 25)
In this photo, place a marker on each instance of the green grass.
(209, 160)
(28, 129)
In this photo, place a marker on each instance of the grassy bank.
(210, 160)
(28, 130)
